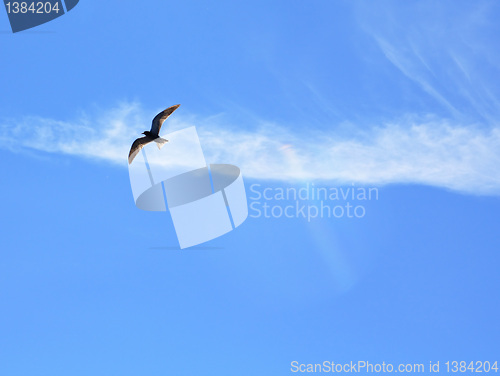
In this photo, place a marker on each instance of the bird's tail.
(160, 142)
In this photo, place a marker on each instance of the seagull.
(153, 134)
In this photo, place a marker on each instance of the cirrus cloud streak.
(430, 151)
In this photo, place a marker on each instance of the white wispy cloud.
(449, 51)
(429, 151)
(415, 68)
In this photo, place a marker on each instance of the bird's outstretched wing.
(160, 118)
(136, 147)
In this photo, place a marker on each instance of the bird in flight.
(153, 134)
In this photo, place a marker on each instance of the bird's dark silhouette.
(153, 134)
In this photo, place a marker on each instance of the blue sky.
(401, 97)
